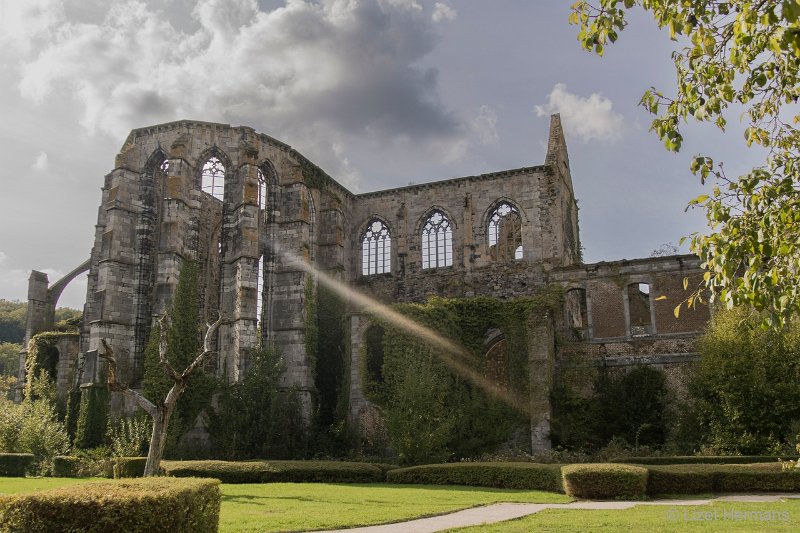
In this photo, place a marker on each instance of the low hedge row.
(605, 480)
(66, 466)
(700, 459)
(694, 479)
(276, 471)
(501, 475)
(15, 464)
(135, 505)
(129, 467)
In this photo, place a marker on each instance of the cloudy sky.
(380, 93)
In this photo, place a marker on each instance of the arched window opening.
(260, 300)
(437, 241)
(639, 309)
(373, 339)
(376, 248)
(312, 226)
(214, 178)
(164, 166)
(262, 190)
(505, 233)
(496, 369)
(575, 314)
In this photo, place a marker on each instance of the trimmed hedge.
(694, 479)
(276, 471)
(129, 467)
(135, 505)
(66, 466)
(501, 475)
(15, 464)
(700, 459)
(605, 480)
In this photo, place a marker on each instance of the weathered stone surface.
(154, 216)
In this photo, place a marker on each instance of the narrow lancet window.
(437, 242)
(505, 233)
(214, 178)
(376, 249)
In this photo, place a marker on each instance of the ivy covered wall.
(431, 410)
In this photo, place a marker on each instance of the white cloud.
(3, 257)
(315, 72)
(40, 163)
(588, 118)
(484, 125)
(443, 12)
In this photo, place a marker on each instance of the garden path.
(500, 512)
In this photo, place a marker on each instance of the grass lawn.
(717, 517)
(304, 506)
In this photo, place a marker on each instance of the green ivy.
(42, 355)
(430, 411)
(183, 345)
(91, 425)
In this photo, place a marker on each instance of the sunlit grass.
(718, 517)
(305, 506)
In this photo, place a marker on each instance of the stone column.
(541, 359)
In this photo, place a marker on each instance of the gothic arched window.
(376, 249)
(262, 190)
(437, 241)
(505, 233)
(214, 178)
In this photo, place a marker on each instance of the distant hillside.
(12, 319)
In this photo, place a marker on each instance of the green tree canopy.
(739, 56)
(745, 386)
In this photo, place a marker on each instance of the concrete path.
(500, 512)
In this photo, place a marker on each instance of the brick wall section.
(671, 286)
(607, 308)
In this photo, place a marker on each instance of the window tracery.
(214, 178)
(437, 241)
(505, 233)
(376, 246)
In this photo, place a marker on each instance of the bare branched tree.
(160, 411)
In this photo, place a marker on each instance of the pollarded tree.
(161, 410)
(740, 54)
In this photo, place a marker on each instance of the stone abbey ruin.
(228, 198)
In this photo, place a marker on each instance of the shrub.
(276, 471)
(501, 475)
(140, 505)
(745, 384)
(699, 459)
(604, 480)
(33, 426)
(66, 466)
(15, 464)
(700, 478)
(129, 467)
(130, 437)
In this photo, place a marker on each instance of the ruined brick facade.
(505, 234)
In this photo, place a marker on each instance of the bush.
(694, 479)
(276, 471)
(66, 466)
(745, 384)
(129, 467)
(699, 459)
(33, 427)
(605, 480)
(140, 505)
(15, 464)
(500, 475)
(130, 437)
